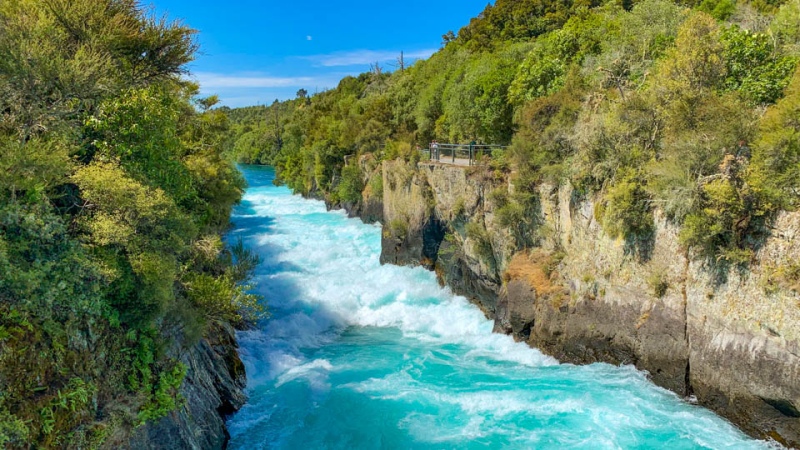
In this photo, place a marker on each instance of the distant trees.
(641, 106)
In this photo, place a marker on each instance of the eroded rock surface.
(729, 339)
(213, 388)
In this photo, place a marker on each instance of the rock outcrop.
(213, 388)
(370, 207)
(429, 211)
(728, 338)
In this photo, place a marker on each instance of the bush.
(625, 208)
(351, 184)
(729, 222)
(376, 185)
(658, 283)
(398, 228)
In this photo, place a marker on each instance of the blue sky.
(252, 52)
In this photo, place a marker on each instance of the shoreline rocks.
(731, 341)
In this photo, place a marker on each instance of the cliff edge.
(724, 337)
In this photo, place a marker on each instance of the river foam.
(359, 355)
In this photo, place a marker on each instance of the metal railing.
(472, 154)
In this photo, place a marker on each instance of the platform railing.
(453, 153)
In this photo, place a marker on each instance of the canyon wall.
(213, 388)
(726, 338)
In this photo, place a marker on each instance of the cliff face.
(729, 338)
(428, 212)
(370, 207)
(213, 388)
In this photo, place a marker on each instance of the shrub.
(658, 283)
(398, 228)
(351, 184)
(625, 208)
(459, 207)
(376, 185)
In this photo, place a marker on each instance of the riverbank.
(358, 354)
(726, 339)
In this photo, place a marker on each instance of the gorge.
(363, 355)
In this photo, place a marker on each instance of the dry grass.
(536, 269)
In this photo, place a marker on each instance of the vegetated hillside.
(113, 196)
(692, 109)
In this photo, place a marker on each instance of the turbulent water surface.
(357, 355)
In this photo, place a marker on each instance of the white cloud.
(363, 57)
(209, 80)
(308, 38)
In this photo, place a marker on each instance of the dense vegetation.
(692, 109)
(113, 196)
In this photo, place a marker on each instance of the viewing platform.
(460, 154)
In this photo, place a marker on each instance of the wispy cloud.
(363, 57)
(209, 80)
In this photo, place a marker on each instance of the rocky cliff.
(370, 207)
(727, 338)
(444, 218)
(213, 388)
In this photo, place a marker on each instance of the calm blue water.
(362, 356)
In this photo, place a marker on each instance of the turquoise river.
(356, 355)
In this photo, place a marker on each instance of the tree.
(448, 38)
(777, 151)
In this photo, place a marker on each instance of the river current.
(356, 355)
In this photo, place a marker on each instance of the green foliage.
(398, 228)
(481, 243)
(776, 172)
(254, 147)
(140, 130)
(545, 68)
(730, 219)
(31, 169)
(458, 207)
(401, 150)
(754, 68)
(718, 9)
(351, 184)
(544, 138)
(13, 431)
(376, 186)
(658, 283)
(517, 20)
(164, 397)
(638, 39)
(111, 180)
(221, 299)
(625, 209)
(786, 27)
